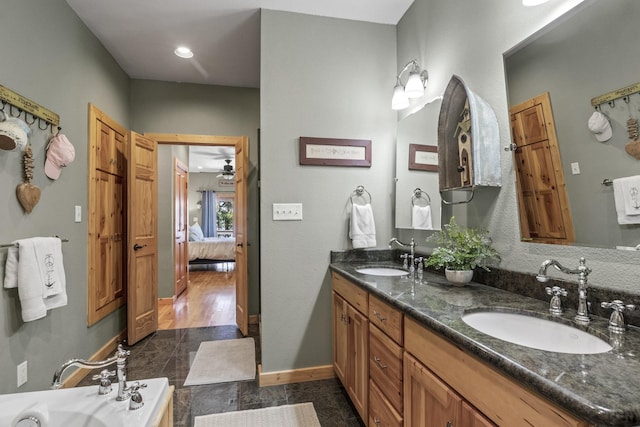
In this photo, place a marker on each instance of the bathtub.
(83, 407)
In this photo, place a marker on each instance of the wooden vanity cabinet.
(351, 341)
(497, 397)
(165, 416)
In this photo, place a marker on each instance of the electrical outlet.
(78, 213)
(287, 211)
(22, 373)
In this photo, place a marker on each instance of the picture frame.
(423, 157)
(335, 152)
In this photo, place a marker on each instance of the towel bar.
(8, 245)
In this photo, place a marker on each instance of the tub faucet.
(582, 315)
(119, 358)
(412, 248)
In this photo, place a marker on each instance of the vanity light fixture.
(533, 2)
(183, 52)
(414, 88)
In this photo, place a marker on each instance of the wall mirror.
(589, 52)
(417, 194)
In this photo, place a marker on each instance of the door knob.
(240, 244)
(137, 247)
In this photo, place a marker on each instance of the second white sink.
(382, 271)
(534, 332)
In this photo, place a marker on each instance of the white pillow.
(195, 233)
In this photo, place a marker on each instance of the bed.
(209, 250)
(212, 249)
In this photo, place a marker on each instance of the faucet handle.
(105, 381)
(555, 305)
(616, 321)
(136, 401)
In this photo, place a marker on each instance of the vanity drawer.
(353, 294)
(381, 413)
(385, 366)
(385, 317)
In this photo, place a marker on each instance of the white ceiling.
(210, 159)
(224, 35)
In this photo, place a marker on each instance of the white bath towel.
(36, 268)
(363, 228)
(421, 218)
(619, 196)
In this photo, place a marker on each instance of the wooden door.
(142, 239)
(358, 360)
(180, 221)
(428, 402)
(340, 337)
(240, 224)
(545, 215)
(106, 226)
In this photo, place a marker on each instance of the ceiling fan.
(227, 171)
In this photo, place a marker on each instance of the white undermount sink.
(382, 271)
(534, 332)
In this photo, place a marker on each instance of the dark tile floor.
(169, 353)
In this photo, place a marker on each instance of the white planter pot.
(458, 277)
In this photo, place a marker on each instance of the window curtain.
(209, 216)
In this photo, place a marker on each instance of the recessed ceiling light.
(183, 52)
(533, 2)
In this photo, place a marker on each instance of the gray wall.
(50, 57)
(320, 77)
(164, 107)
(472, 49)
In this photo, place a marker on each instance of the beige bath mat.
(223, 361)
(301, 415)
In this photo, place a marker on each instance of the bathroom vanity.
(406, 358)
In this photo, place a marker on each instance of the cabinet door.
(472, 418)
(340, 338)
(428, 402)
(358, 360)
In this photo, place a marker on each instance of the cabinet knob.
(376, 421)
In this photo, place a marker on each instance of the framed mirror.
(418, 203)
(590, 52)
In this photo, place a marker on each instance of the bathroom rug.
(300, 415)
(223, 361)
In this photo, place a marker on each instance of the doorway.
(217, 291)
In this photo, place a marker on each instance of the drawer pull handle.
(379, 362)
(376, 421)
(449, 424)
(379, 316)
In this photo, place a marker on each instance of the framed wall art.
(335, 152)
(423, 157)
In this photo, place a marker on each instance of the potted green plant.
(460, 250)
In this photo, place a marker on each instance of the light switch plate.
(575, 168)
(287, 211)
(22, 373)
(78, 213)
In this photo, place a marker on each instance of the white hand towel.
(40, 277)
(421, 218)
(630, 191)
(363, 228)
(619, 197)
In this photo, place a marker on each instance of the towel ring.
(359, 192)
(417, 194)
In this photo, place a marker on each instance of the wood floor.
(209, 300)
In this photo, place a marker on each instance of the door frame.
(240, 143)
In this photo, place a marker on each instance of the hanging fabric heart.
(28, 193)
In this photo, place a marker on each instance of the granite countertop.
(599, 388)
